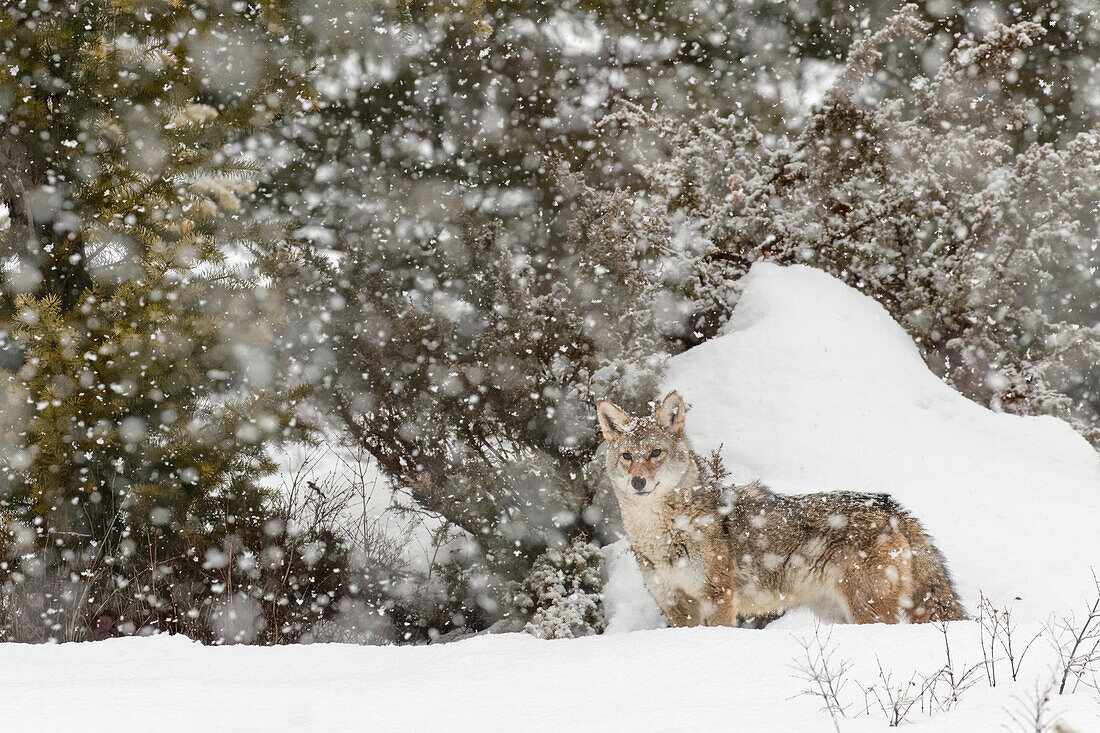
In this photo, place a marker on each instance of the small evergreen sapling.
(562, 593)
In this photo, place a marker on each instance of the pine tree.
(561, 594)
(137, 431)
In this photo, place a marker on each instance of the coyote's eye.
(655, 452)
(627, 457)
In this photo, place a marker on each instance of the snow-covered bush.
(918, 199)
(561, 594)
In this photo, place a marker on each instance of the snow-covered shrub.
(474, 389)
(561, 594)
(918, 199)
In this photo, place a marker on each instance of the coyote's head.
(647, 455)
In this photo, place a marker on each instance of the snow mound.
(813, 387)
(626, 603)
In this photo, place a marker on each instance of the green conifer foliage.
(134, 434)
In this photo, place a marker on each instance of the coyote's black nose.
(638, 483)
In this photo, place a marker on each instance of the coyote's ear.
(670, 415)
(613, 421)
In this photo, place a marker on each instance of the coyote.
(710, 553)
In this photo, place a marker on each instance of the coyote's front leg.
(678, 607)
(713, 609)
(713, 603)
(718, 591)
(685, 611)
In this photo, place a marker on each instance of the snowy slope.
(812, 388)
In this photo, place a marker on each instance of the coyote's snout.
(710, 553)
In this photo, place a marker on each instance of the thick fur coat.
(711, 553)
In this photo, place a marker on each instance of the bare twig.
(825, 675)
(896, 700)
(1033, 714)
(997, 630)
(955, 681)
(1077, 644)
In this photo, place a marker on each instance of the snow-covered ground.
(812, 388)
(665, 680)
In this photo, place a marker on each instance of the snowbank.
(671, 679)
(627, 604)
(814, 387)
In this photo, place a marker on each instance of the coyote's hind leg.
(879, 586)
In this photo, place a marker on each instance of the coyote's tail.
(934, 595)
